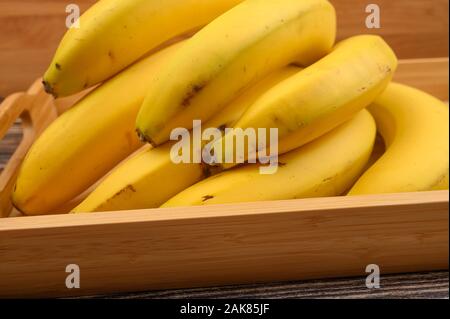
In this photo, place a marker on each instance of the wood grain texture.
(32, 29)
(429, 285)
(429, 75)
(226, 244)
(414, 28)
(9, 143)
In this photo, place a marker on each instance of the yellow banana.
(442, 184)
(150, 178)
(318, 98)
(246, 43)
(144, 181)
(87, 141)
(325, 167)
(415, 128)
(113, 34)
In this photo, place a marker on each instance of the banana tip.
(18, 208)
(49, 89)
(144, 138)
(210, 170)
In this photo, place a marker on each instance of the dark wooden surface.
(418, 285)
(421, 285)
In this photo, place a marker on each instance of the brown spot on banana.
(49, 88)
(222, 127)
(128, 188)
(196, 88)
(206, 198)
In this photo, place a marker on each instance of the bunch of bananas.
(234, 64)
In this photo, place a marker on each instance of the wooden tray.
(225, 244)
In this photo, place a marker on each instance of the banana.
(318, 98)
(87, 141)
(442, 184)
(144, 181)
(234, 51)
(150, 178)
(325, 167)
(115, 33)
(415, 128)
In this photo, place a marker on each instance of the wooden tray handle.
(37, 110)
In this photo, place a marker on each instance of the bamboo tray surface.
(218, 245)
(315, 206)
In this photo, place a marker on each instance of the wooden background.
(31, 29)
